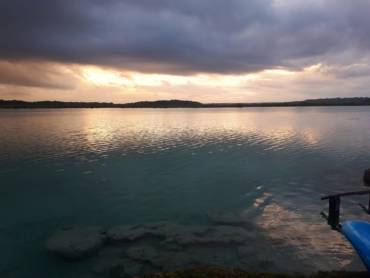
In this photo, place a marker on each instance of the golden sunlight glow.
(278, 72)
(102, 77)
(105, 78)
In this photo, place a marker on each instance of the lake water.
(110, 167)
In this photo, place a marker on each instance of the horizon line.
(188, 101)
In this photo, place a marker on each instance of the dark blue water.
(110, 166)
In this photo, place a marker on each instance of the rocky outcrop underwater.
(129, 250)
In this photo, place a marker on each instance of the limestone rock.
(76, 243)
(231, 219)
(246, 251)
(132, 233)
(148, 254)
(210, 235)
(125, 269)
(180, 260)
(160, 258)
(181, 234)
(118, 271)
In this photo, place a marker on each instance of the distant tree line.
(356, 101)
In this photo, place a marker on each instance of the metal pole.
(334, 211)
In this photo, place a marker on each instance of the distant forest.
(357, 101)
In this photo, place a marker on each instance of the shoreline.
(16, 104)
(180, 107)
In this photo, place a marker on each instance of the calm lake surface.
(110, 167)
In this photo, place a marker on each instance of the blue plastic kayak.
(358, 233)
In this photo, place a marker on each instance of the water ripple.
(106, 166)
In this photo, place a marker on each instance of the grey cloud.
(348, 71)
(225, 36)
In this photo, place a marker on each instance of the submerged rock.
(157, 230)
(118, 271)
(181, 234)
(246, 250)
(160, 258)
(210, 235)
(76, 243)
(125, 269)
(231, 219)
(133, 233)
(148, 254)
(137, 249)
(180, 260)
(126, 233)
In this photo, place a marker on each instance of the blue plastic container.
(358, 233)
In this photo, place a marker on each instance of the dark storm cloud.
(185, 36)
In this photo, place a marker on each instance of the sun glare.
(102, 77)
(105, 78)
(131, 80)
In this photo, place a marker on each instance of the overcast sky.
(205, 50)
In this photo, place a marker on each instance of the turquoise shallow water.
(111, 166)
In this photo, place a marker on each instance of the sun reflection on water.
(312, 242)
